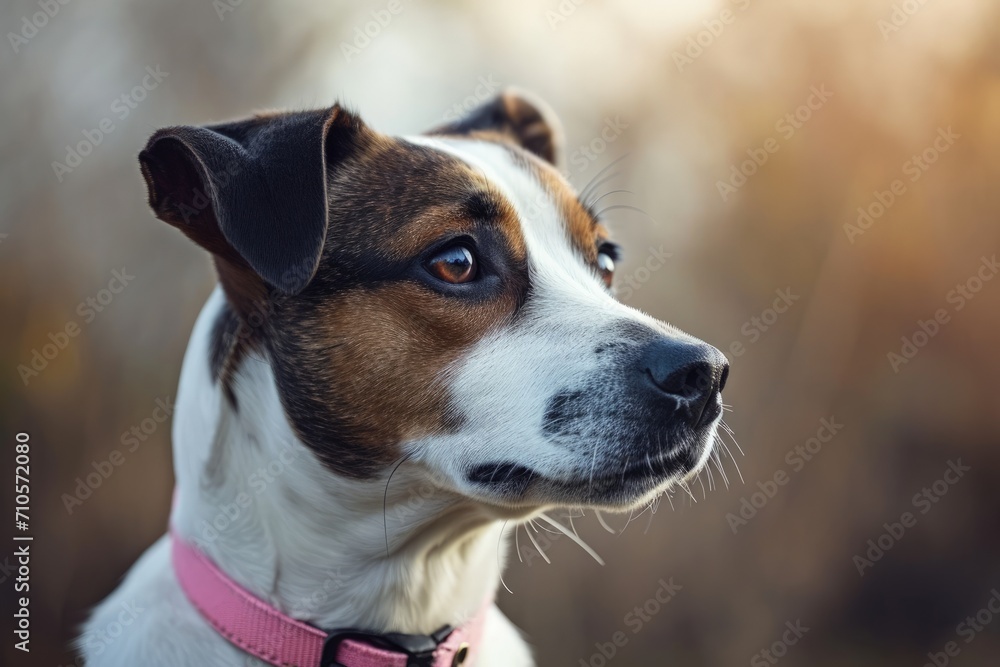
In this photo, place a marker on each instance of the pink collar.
(266, 633)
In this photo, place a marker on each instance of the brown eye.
(455, 265)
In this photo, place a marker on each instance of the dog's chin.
(512, 490)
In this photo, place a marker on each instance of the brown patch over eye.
(455, 264)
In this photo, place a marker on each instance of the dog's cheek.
(373, 360)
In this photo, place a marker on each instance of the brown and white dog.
(414, 341)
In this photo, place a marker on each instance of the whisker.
(499, 540)
(607, 194)
(652, 511)
(547, 530)
(576, 538)
(632, 516)
(687, 489)
(717, 460)
(604, 524)
(589, 187)
(617, 207)
(385, 500)
(735, 463)
(517, 544)
(732, 436)
(597, 184)
(538, 548)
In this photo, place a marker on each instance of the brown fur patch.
(585, 233)
(360, 353)
(380, 354)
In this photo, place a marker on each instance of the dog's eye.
(455, 265)
(606, 256)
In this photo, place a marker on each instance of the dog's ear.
(252, 192)
(519, 116)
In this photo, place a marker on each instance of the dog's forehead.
(394, 199)
(558, 231)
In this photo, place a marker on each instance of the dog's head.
(446, 298)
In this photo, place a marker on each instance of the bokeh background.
(690, 88)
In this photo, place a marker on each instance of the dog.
(414, 342)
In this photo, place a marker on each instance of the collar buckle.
(418, 649)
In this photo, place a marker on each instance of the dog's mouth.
(511, 475)
(613, 486)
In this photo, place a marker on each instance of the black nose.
(690, 373)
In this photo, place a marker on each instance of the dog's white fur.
(313, 544)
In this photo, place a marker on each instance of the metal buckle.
(419, 649)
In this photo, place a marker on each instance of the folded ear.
(252, 192)
(519, 116)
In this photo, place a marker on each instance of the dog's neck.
(310, 543)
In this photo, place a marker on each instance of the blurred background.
(754, 132)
